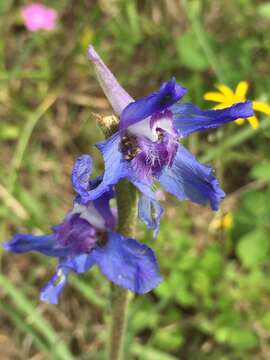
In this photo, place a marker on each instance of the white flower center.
(90, 214)
(143, 128)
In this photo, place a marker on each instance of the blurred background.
(215, 301)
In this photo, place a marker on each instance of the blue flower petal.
(150, 212)
(128, 264)
(115, 168)
(102, 204)
(168, 94)
(44, 244)
(188, 118)
(81, 174)
(144, 187)
(79, 264)
(52, 290)
(189, 179)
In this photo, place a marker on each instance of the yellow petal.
(262, 107)
(239, 121)
(225, 90)
(241, 90)
(253, 121)
(227, 221)
(214, 96)
(222, 105)
(221, 222)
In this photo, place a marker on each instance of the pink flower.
(39, 17)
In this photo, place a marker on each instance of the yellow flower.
(226, 97)
(221, 222)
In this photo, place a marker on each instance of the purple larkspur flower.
(146, 147)
(37, 17)
(86, 237)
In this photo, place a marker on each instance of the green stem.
(25, 137)
(193, 15)
(126, 196)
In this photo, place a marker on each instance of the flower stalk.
(126, 197)
(127, 204)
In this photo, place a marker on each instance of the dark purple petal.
(116, 95)
(76, 234)
(188, 118)
(189, 179)
(45, 244)
(81, 174)
(153, 156)
(168, 94)
(128, 264)
(150, 212)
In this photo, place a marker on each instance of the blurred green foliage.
(214, 302)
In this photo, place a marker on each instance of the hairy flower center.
(149, 157)
(129, 147)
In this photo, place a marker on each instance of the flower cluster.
(145, 149)
(37, 17)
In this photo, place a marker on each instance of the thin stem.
(25, 137)
(194, 19)
(126, 196)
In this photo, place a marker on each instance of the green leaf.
(238, 338)
(264, 9)
(9, 132)
(189, 52)
(261, 171)
(253, 248)
(243, 339)
(168, 338)
(265, 321)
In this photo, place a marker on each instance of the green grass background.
(215, 300)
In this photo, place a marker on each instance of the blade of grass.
(25, 136)
(34, 317)
(23, 327)
(193, 15)
(90, 294)
(13, 203)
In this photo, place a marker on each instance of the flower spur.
(146, 146)
(227, 97)
(85, 238)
